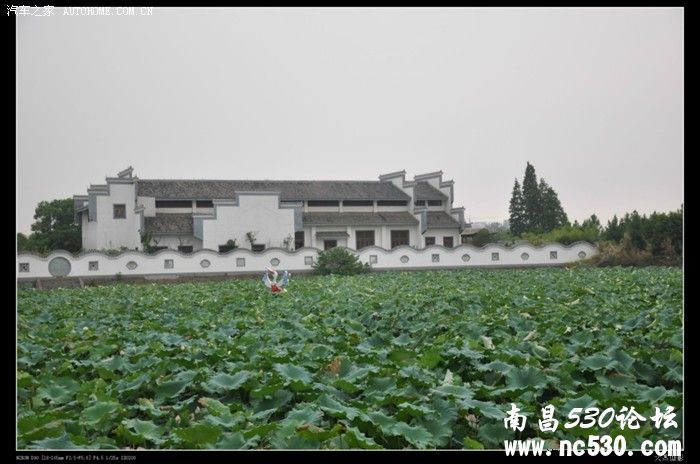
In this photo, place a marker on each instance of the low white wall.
(245, 261)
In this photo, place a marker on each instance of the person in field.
(273, 285)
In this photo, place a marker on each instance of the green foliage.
(380, 360)
(53, 229)
(147, 242)
(339, 261)
(482, 237)
(532, 201)
(517, 211)
(552, 214)
(659, 233)
(536, 207)
(231, 244)
(567, 235)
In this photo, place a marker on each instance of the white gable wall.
(107, 233)
(258, 213)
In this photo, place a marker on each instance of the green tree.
(516, 209)
(53, 228)
(23, 242)
(532, 201)
(552, 215)
(338, 261)
(613, 231)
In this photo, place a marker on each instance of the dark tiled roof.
(425, 191)
(349, 219)
(180, 224)
(291, 190)
(441, 219)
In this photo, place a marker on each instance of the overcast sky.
(592, 97)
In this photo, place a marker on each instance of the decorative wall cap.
(159, 253)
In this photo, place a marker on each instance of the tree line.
(537, 216)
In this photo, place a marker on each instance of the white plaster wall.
(89, 232)
(256, 213)
(439, 234)
(295, 260)
(116, 233)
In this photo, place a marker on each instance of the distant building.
(470, 230)
(189, 215)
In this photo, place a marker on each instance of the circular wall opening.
(59, 267)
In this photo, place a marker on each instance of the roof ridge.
(264, 180)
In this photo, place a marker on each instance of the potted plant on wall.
(230, 245)
(251, 238)
(288, 242)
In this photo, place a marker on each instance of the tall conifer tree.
(517, 213)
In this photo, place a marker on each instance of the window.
(258, 248)
(448, 242)
(399, 237)
(323, 203)
(169, 264)
(429, 241)
(308, 260)
(158, 248)
(240, 262)
(435, 258)
(495, 257)
(552, 255)
(173, 204)
(298, 240)
(373, 259)
(185, 248)
(420, 203)
(225, 248)
(23, 267)
(119, 211)
(434, 202)
(205, 204)
(465, 238)
(93, 266)
(364, 238)
(328, 244)
(391, 203)
(358, 203)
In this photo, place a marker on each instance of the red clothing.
(275, 288)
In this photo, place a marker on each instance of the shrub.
(625, 253)
(566, 235)
(483, 237)
(339, 261)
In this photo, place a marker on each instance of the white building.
(189, 215)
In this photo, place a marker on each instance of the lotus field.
(382, 360)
